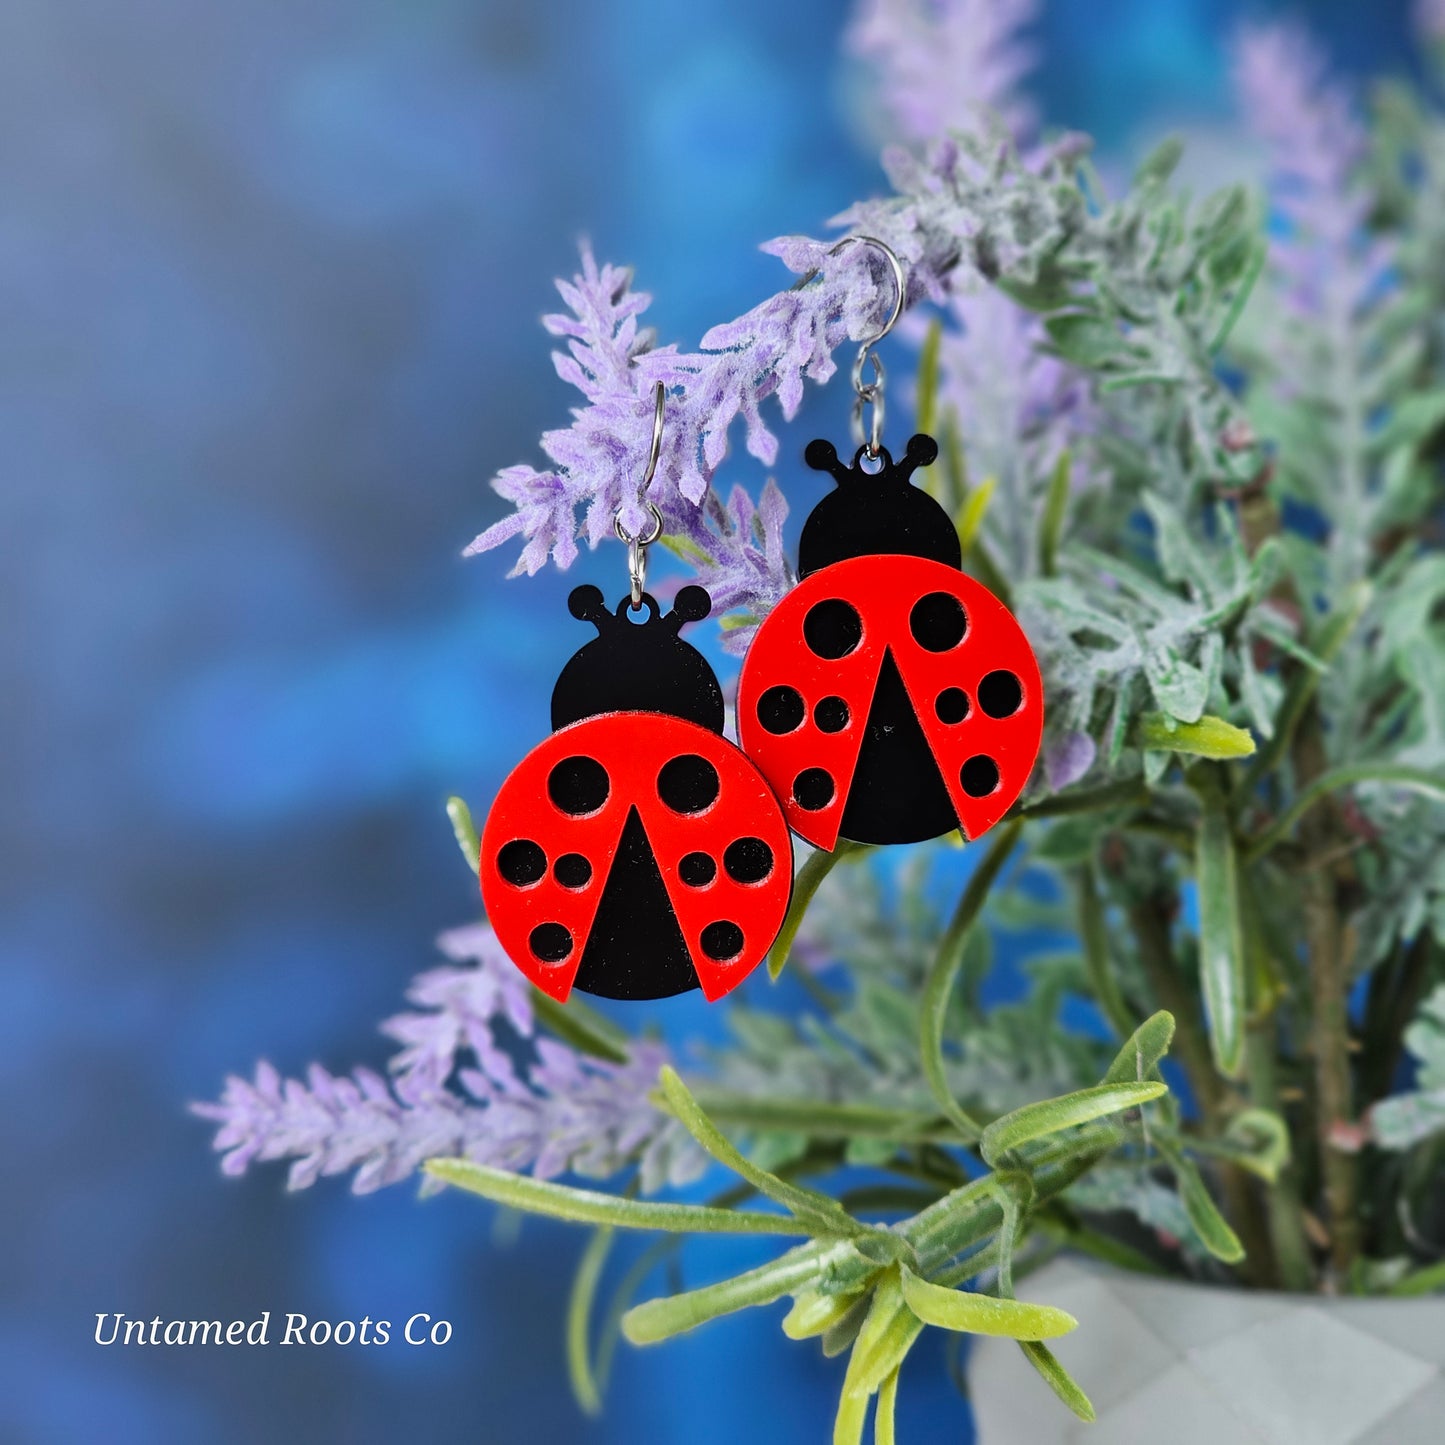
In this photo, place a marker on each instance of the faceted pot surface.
(1191, 1364)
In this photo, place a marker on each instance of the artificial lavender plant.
(1194, 444)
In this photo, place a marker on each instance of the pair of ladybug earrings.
(888, 698)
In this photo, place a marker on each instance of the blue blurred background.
(270, 277)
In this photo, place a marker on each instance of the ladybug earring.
(888, 697)
(635, 853)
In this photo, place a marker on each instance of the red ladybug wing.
(730, 920)
(947, 633)
(994, 668)
(784, 682)
(525, 837)
(570, 798)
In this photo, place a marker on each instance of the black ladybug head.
(876, 513)
(638, 666)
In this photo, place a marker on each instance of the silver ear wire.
(871, 392)
(637, 546)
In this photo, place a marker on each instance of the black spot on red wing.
(697, 870)
(688, 784)
(951, 705)
(635, 948)
(578, 786)
(979, 776)
(748, 860)
(897, 794)
(831, 715)
(550, 942)
(521, 862)
(572, 870)
(780, 710)
(722, 940)
(938, 622)
(1000, 694)
(813, 788)
(832, 628)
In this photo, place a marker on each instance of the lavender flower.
(1429, 20)
(1329, 273)
(946, 65)
(1315, 145)
(1017, 409)
(457, 1089)
(598, 461)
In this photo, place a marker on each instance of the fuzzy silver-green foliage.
(1236, 588)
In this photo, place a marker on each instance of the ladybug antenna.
(822, 456)
(921, 451)
(691, 604)
(587, 604)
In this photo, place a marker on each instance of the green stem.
(810, 878)
(584, 1028)
(820, 1119)
(1328, 951)
(934, 1007)
(1303, 686)
(1095, 938)
(1149, 921)
(1129, 792)
(1293, 1263)
(1419, 779)
(1064, 1226)
(1283, 1207)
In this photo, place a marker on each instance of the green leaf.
(1247, 259)
(1160, 163)
(1413, 419)
(1262, 1138)
(1142, 1050)
(981, 1314)
(1094, 936)
(1050, 1116)
(1427, 1280)
(1209, 1224)
(886, 1337)
(579, 1316)
(971, 514)
(819, 865)
(1051, 527)
(1221, 939)
(466, 832)
(660, 1319)
(587, 1206)
(928, 377)
(840, 1336)
(1124, 794)
(819, 1119)
(1417, 780)
(850, 1420)
(933, 1009)
(883, 1420)
(1179, 687)
(820, 1213)
(1058, 1379)
(1087, 341)
(815, 1312)
(1210, 737)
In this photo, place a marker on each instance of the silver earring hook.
(871, 392)
(658, 395)
(637, 546)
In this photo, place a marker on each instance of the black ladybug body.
(635, 853)
(889, 697)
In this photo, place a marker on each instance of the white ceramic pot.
(1171, 1363)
